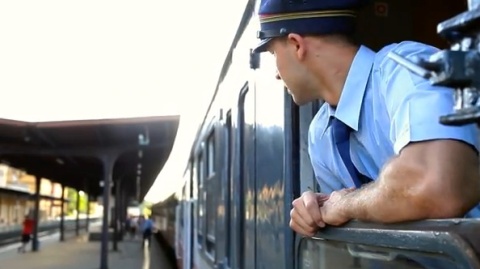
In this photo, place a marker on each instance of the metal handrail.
(456, 238)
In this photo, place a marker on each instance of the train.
(249, 161)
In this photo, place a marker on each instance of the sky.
(69, 60)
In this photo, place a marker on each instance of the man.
(147, 230)
(27, 229)
(377, 148)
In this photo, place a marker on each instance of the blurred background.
(70, 60)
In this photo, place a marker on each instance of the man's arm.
(435, 172)
(432, 179)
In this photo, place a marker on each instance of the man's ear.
(298, 42)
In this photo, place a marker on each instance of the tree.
(72, 204)
(145, 208)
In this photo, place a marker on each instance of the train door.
(197, 209)
(188, 221)
(229, 194)
(179, 235)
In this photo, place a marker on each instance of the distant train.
(249, 161)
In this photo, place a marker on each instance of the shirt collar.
(351, 98)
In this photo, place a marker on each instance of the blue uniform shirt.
(147, 225)
(387, 106)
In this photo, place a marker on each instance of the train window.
(211, 154)
(211, 187)
(201, 199)
(320, 254)
(184, 198)
(190, 216)
(194, 180)
(211, 223)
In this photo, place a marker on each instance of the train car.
(249, 161)
(164, 216)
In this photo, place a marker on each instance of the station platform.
(76, 252)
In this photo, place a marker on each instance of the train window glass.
(178, 230)
(181, 216)
(201, 170)
(320, 254)
(211, 187)
(211, 154)
(211, 215)
(201, 199)
(194, 181)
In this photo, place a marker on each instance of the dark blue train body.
(249, 161)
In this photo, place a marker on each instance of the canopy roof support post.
(116, 217)
(62, 215)
(108, 163)
(36, 213)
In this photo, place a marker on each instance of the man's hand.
(306, 217)
(330, 210)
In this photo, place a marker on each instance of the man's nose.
(277, 75)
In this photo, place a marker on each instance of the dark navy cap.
(282, 17)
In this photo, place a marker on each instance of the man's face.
(292, 70)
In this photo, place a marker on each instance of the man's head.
(311, 41)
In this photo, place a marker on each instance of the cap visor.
(262, 47)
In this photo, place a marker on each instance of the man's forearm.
(373, 204)
(389, 199)
(432, 179)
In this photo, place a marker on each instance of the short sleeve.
(415, 106)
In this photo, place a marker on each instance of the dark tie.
(341, 138)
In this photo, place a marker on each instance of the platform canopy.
(68, 152)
